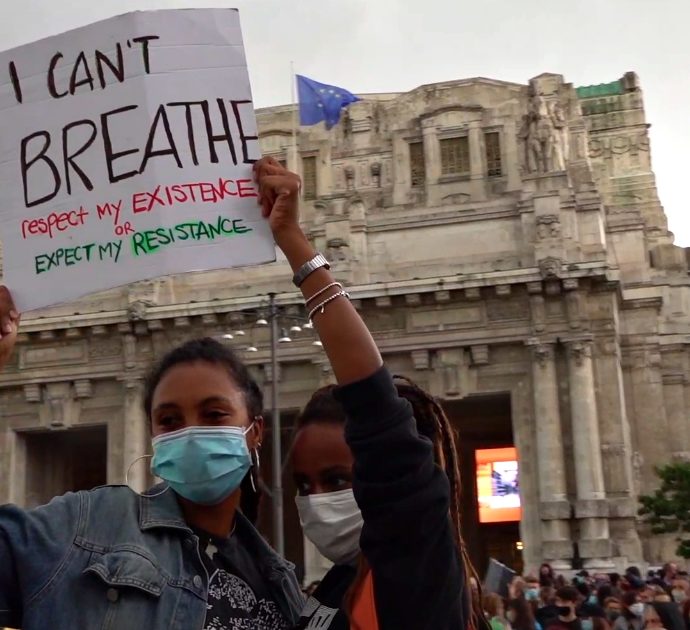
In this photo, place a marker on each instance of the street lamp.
(279, 321)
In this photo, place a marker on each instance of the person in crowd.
(686, 614)
(680, 589)
(661, 594)
(547, 609)
(631, 613)
(592, 618)
(517, 587)
(616, 581)
(494, 612)
(547, 576)
(519, 614)
(603, 592)
(647, 594)
(633, 577)
(669, 572)
(663, 616)
(613, 609)
(567, 599)
(532, 589)
(374, 524)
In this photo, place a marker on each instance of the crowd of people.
(658, 601)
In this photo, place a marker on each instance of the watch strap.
(310, 267)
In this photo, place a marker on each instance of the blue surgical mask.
(587, 624)
(593, 599)
(532, 594)
(202, 464)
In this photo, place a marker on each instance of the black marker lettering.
(14, 77)
(26, 165)
(144, 41)
(238, 120)
(171, 150)
(212, 138)
(87, 80)
(68, 159)
(118, 68)
(111, 156)
(190, 126)
(51, 76)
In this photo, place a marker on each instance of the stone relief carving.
(542, 353)
(350, 177)
(550, 267)
(544, 134)
(617, 145)
(337, 250)
(579, 351)
(137, 310)
(548, 226)
(375, 169)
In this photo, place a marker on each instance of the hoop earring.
(256, 467)
(145, 496)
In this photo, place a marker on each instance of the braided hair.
(433, 424)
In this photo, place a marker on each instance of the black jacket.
(407, 537)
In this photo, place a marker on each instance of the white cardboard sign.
(126, 152)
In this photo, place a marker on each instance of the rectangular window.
(455, 156)
(309, 178)
(417, 166)
(492, 143)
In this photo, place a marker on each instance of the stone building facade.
(505, 244)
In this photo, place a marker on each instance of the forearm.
(347, 341)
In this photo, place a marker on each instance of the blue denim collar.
(158, 510)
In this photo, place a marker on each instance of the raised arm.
(346, 340)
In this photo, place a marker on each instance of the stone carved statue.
(544, 134)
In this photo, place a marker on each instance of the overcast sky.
(396, 45)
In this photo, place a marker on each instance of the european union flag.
(320, 101)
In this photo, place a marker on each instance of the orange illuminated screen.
(498, 486)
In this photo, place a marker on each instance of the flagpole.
(294, 165)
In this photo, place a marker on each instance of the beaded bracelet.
(320, 307)
(322, 291)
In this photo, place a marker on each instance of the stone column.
(591, 507)
(135, 435)
(678, 430)
(476, 142)
(432, 157)
(554, 507)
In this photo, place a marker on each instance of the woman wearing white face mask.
(400, 561)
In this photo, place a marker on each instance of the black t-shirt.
(323, 609)
(238, 596)
(556, 624)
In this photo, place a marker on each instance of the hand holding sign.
(278, 196)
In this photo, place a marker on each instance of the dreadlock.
(432, 423)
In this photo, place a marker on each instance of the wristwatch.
(310, 267)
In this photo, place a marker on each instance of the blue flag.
(320, 101)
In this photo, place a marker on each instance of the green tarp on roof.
(603, 89)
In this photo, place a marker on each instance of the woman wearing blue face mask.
(181, 556)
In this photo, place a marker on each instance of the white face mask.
(333, 522)
(637, 609)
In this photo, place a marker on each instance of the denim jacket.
(109, 559)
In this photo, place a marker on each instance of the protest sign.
(126, 152)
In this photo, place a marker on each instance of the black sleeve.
(407, 536)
